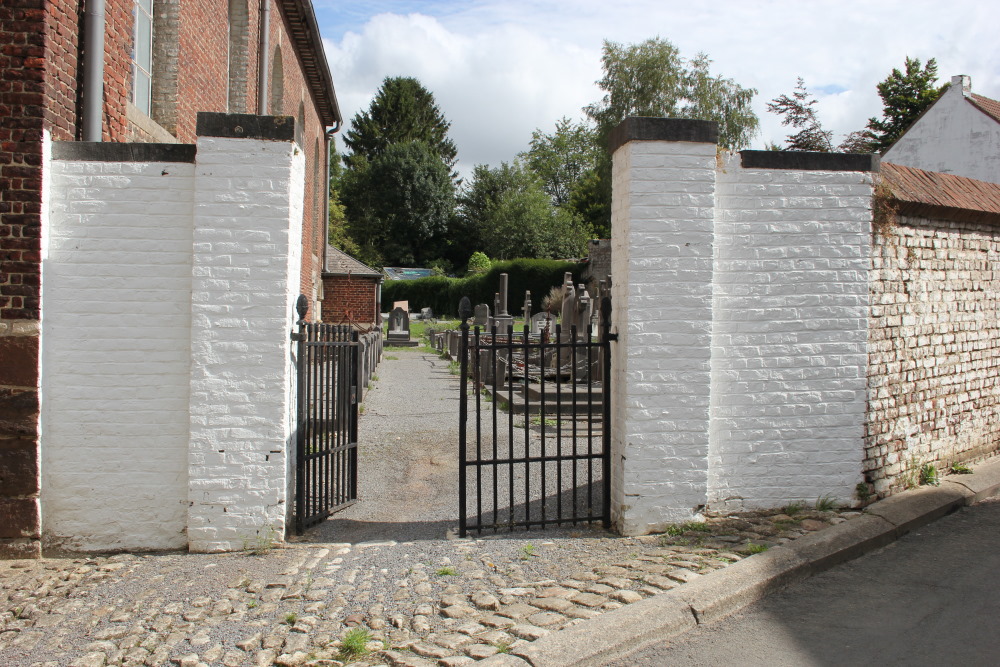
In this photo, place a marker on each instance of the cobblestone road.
(422, 597)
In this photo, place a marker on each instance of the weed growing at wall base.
(265, 540)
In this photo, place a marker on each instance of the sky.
(500, 69)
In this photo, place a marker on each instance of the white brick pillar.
(662, 242)
(247, 246)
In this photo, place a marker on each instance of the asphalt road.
(931, 598)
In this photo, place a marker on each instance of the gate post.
(301, 308)
(606, 424)
(464, 313)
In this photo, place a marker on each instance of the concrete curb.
(716, 595)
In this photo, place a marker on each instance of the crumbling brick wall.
(934, 349)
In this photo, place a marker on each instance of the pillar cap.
(647, 128)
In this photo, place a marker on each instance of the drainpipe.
(326, 214)
(262, 61)
(93, 71)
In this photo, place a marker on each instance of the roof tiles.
(339, 263)
(932, 194)
(988, 106)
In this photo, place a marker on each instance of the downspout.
(93, 71)
(326, 214)
(262, 62)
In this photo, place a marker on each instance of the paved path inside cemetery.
(390, 564)
(932, 598)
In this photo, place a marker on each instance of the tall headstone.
(503, 319)
(568, 312)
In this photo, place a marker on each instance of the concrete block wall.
(167, 366)
(116, 349)
(789, 333)
(740, 293)
(934, 348)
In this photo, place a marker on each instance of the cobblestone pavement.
(388, 566)
(423, 602)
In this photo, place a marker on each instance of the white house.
(958, 134)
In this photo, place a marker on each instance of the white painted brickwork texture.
(741, 303)
(167, 368)
(662, 294)
(116, 355)
(934, 385)
(247, 245)
(790, 334)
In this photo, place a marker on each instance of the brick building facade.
(351, 291)
(163, 62)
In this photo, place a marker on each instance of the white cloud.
(501, 69)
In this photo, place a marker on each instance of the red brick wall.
(349, 300)
(22, 110)
(201, 86)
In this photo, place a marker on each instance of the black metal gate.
(537, 451)
(326, 470)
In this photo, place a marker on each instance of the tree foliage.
(652, 79)
(904, 95)
(399, 204)
(799, 111)
(402, 111)
(562, 158)
(507, 211)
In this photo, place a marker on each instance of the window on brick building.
(277, 84)
(142, 55)
(239, 55)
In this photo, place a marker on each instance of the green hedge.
(443, 294)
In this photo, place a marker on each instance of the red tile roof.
(988, 106)
(935, 195)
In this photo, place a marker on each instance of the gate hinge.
(296, 337)
(612, 336)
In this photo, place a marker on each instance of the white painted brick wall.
(247, 245)
(662, 220)
(116, 355)
(790, 332)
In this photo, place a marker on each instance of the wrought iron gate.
(326, 470)
(537, 451)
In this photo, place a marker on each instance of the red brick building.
(131, 71)
(351, 291)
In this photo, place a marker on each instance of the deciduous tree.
(508, 213)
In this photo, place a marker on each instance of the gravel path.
(407, 456)
(389, 564)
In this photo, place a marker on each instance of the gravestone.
(482, 315)
(541, 322)
(503, 319)
(426, 314)
(399, 329)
